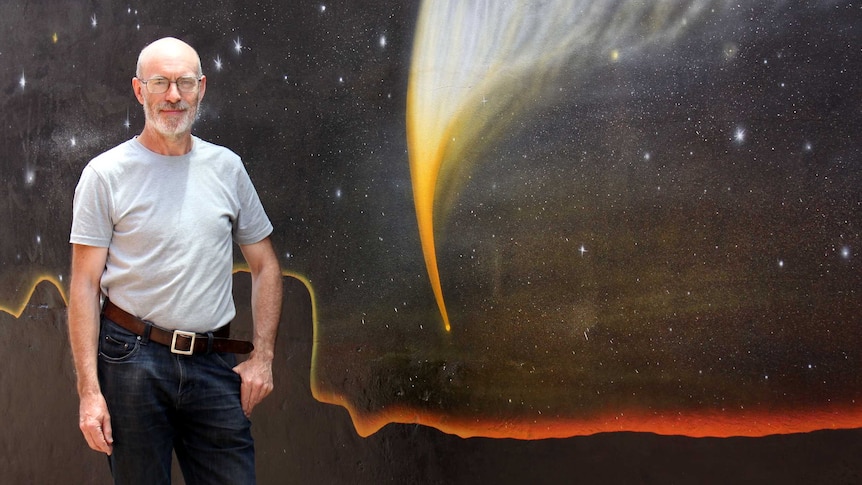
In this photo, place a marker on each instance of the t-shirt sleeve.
(252, 224)
(92, 224)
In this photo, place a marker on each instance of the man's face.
(173, 112)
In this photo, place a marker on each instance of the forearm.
(266, 298)
(83, 315)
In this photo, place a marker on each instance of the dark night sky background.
(713, 184)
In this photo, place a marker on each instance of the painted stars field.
(618, 233)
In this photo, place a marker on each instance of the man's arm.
(88, 264)
(266, 289)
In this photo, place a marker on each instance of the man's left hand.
(256, 375)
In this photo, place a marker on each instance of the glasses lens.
(158, 85)
(187, 84)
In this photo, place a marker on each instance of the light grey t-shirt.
(168, 223)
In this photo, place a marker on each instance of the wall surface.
(541, 242)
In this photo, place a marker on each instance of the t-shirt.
(168, 223)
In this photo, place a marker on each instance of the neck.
(176, 145)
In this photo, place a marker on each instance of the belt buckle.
(181, 333)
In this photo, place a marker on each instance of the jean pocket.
(115, 346)
(225, 360)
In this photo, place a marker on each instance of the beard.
(172, 126)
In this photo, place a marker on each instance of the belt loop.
(209, 342)
(145, 338)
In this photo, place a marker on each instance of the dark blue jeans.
(160, 401)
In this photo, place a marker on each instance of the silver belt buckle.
(190, 335)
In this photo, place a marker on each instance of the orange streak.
(694, 424)
(16, 309)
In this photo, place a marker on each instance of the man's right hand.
(95, 423)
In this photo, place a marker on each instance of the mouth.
(173, 110)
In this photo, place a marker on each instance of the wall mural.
(516, 219)
(633, 216)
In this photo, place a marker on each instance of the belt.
(179, 341)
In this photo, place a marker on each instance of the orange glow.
(694, 424)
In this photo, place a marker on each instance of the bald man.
(154, 223)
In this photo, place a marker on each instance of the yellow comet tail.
(425, 163)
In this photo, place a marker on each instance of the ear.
(137, 88)
(203, 88)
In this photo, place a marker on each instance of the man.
(153, 224)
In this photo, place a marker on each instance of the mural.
(634, 216)
(513, 219)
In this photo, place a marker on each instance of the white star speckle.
(739, 135)
(237, 45)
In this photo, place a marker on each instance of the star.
(237, 45)
(218, 63)
(739, 135)
(382, 41)
(93, 21)
(23, 81)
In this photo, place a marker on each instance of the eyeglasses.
(159, 85)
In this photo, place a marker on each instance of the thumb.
(108, 434)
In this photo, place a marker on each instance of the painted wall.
(610, 242)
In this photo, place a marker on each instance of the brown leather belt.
(179, 341)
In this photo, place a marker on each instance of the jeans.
(159, 401)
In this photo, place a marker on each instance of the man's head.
(173, 67)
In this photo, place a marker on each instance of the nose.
(173, 95)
